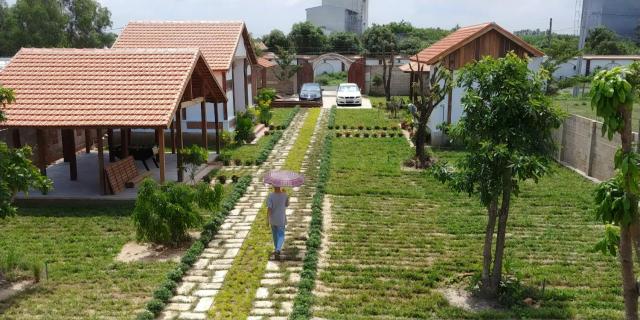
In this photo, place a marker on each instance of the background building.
(340, 16)
(621, 16)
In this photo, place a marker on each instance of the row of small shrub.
(361, 127)
(285, 124)
(167, 290)
(331, 123)
(304, 300)
(357, 134)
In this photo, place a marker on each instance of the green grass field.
(400, 238)
(366, 118)
(84, 280)
(280, 115)
(581, 106)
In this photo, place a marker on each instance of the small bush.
(339, 134)
(237, 162)
(360, 127)
(164, 214)
(222, 179)
(175, 275)
(345, 127)
(248, 163)
(146, 315)
(227, 139)
(207, 197)
(193, 157)
(383, 134)
(244, 128)
(366, 135)
(235, 179)
(357, 135)
(353, 128)
(347, 134)
(155, 306)
(163, 294)
(384, 128)
(368, 128)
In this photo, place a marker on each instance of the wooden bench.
(123, 174)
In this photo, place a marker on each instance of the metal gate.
(356, 73)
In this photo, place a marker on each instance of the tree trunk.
(385, 76)
(389, 74)
(421, 137)
(629, 285)
(496, 276)
(492, 211)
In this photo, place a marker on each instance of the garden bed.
(363, 119)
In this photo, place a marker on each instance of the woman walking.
(277, 204)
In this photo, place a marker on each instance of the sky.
(262, 16)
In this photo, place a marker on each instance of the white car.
(348, 94)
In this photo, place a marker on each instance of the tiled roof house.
(226, 46)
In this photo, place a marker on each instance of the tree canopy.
(276, 40)
(54, 23)
(307, 38)
(344, 43)
(603, 41)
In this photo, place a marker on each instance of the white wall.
(568, 69)
(328, 66)
(238, 76)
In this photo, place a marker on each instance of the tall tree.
(34, 23)
(562, 49)
(276, 40)
(603, 41)
(87, 24)
(379, 41)
(344, 43)
(286, 66)
(613, 93)
(431, 88)
(307, 38)
(507, 131)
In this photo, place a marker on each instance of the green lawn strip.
(581, 106)
(234, 301)
(400, 237)
(281, 116)
(372, 119)
(299, 149)
(167, 289)
(79, 245)
(304, 299)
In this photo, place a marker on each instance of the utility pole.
(583, 38)
(550, 32)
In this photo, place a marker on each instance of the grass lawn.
(398, 238)
(366, 118)
(581, 106)
(248, 152)
(280, 115)
(84, 282)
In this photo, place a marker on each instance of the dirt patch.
(9, 290)
(135, 252)
(463, 299)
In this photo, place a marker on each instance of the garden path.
(200, 285)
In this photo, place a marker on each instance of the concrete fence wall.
(582, 147)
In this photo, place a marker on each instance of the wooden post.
(179, 143)
(449, 106)
(102, 184)
(69, 151)
(161, 154)
(246, 84)
(16, 138)
(110, 144)
(128, 138)
(218, 138)
(124, 143)
(42, 151)
(87, 141)
(173, 137)
(203, 113)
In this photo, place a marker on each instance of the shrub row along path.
(279, 284)
(200, 285)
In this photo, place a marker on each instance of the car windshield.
(349, 88)
(311, 86)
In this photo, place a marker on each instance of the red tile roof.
(266, 63)
(217, 40)
(462, 36)
(97, 87)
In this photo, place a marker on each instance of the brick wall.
(53, 138)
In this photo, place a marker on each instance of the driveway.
(329, 100)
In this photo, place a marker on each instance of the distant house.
(460, 48)
(227, 48)
(593, 63)
(4, 62)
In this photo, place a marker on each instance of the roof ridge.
(186, 22)
(112, 50)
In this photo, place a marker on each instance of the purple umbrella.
(284, 179)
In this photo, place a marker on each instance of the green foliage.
(610, 242)
(332, 79)
(244, 128)
(54, 23)
(379, 40)
(207, 197)
(286, 67)
(412, 40)
(610, 92)
(276, 41)
(193, 157)
(266, 96)
(18, 175)
(164, 213)
(307, 38)
(155, 306)
(331, 122)
(344, 43)
(604, 41)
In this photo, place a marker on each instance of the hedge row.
(357, 134)
(368, 128)
(304, 299)
(331, 123)
(167, 290)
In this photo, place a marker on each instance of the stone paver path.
(196, 293)
(279, 284)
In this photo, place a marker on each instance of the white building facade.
(340, 16)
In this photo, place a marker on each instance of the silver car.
(311, 91)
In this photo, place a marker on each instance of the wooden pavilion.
(97, 91)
